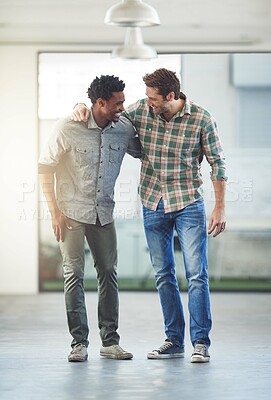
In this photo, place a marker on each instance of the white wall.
(18, 132)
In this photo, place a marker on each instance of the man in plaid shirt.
(175, 134)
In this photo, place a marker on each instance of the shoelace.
(165, 346)
(77, 347)
(118, 348)
(200, 349)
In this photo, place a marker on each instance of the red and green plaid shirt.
(173, 152)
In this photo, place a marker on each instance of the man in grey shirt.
(78, 169)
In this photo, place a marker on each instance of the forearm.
(220, 190)
(134, 148)
(48, 187)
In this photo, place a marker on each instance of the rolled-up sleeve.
(53, 150)
(45, 169)
(213, 151)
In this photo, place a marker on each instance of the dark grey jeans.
(102, 242)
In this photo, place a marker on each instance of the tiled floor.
(35, 343)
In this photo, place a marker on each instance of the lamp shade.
(132, 13)
(134, 47)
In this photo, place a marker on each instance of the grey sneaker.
(78, 353)
(167, 350)
(200, 354)
(116, 352)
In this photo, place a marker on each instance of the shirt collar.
(186, 108)
(92, 123)
(113, 124)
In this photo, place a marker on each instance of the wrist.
(55, 212)
(77, 104)
(220, 208)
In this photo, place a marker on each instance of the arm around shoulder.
(135, 148)
(80, 112)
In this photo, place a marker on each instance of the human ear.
(101, 102)
(171, 96)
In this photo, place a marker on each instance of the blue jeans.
(190, 225)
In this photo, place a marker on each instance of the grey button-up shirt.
(86, 161)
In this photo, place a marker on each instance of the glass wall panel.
(240, 258)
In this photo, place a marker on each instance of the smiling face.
(112, 108)
(157, 102)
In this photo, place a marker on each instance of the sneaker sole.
(198, 359)
(77, 359)
(152, 356)
(115, 357)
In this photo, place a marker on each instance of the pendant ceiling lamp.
(134, 47)
(132, 13)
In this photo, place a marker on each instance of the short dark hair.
(104, 86)
(165, 81)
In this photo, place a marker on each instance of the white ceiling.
(186, 25)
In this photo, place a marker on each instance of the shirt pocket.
(116, 152)
(83, 156)
(189, 144)
(186, 143)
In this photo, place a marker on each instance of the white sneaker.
(200, 354)
(79, 353)
(115, 352)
